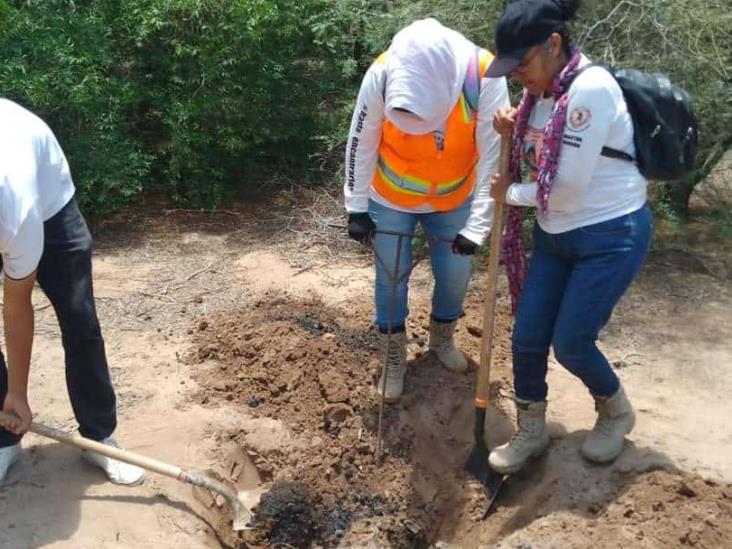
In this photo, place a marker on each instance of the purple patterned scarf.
(513, 253)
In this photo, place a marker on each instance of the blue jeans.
(574, 281)
(451, 271)
(65, 276)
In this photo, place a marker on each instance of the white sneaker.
(8, 457)
(118, 472)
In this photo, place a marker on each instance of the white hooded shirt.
(424, 73)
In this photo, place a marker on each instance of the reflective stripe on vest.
(412, 171)
(413, 185)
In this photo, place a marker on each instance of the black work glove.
(463, 246)
(361, 228)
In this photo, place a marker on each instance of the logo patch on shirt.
(579, 119)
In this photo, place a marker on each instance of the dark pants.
(65, 276)
(574, 281)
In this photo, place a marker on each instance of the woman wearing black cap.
(593, 226)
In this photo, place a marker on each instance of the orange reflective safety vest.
(438, 170)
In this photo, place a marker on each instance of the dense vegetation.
(205, 99)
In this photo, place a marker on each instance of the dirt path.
(219, 344)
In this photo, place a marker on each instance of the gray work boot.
(443, 345)
(396, 365)
(615, 419)
(531, 439)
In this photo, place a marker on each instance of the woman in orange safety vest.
(422, 148)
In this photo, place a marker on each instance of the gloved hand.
(361, 228)
(463, 246)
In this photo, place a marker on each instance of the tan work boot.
(443, 345)
(531, 439)
(396, 365)
(615, 419)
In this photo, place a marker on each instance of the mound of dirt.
(312, 370)
(304, 372)
(658, 509)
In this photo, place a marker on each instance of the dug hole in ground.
(241, 343)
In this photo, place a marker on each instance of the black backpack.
(664, 125)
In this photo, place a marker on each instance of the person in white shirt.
(422, 149)
(44, 238)
(593, 227)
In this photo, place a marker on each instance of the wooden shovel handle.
(126, 456)
(489, 312)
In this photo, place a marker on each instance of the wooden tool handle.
(489, 312)
(126, 456)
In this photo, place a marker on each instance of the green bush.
(58, 62)
(229, 89)
(199, 98)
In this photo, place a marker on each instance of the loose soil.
(312, 368)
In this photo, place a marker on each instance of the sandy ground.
(160, 276)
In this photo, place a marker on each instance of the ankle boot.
(531, 439)
(615, 419)
(442, 344)
(396, 365)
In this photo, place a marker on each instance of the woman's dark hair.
(569, 8)
(569, 11)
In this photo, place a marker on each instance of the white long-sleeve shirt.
(362, 151)
(589, 188)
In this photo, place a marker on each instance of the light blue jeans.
(451, 271)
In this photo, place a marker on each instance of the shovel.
(477, 463)
(239, 503)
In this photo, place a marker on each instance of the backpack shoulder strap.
(485, 59)
(607, 152)
(476, 70)
(381, 60)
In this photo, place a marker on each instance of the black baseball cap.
(523, 25)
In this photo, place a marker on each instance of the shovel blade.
(242, 514)
(242, 520)
(491, 481)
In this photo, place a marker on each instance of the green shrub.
(199, 98)
(58, 62)
(231, 88)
